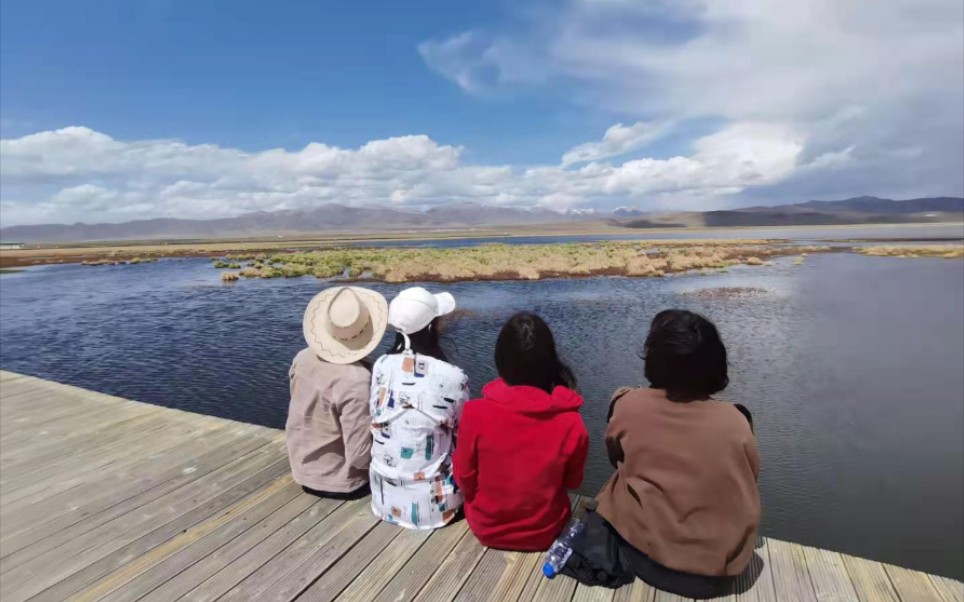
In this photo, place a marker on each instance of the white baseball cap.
(415, 308)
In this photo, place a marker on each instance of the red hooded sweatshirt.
(519, 449)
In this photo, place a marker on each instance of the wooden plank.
(499, 575)
(73, 470)
(169, 537)
(53, 534)
(791, 575)
(271, 548)
(138, 446)
(637, 591)
(57, 564)
(949, 589)
(870, 580)
(213, 575)
(586, 593)
(662, 596)
(105, 499)
(912, 586)
(75, 405)
(382, 569)
(37, 429)
(271, 575)
(121, 479)
(79, 441)
(339, 576)
(43, 426)
(147, 572)
(413, 576)
(755, 584)
(73, 433)
(326, 554)
(454, 570)
(829, 576)
(30, 408)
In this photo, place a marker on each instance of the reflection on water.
(850, 364)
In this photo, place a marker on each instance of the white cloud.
(863, 75)
(618, 140)
(77, 174)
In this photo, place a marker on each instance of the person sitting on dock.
(327, 431)
(416, 401)
(682, 509)
(523, 445)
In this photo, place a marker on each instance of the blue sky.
(114, 110)
(258, 75)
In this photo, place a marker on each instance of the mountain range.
(340, 218)
(853, 211)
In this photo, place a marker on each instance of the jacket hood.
(531, 400)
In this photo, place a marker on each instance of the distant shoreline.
(44, 254)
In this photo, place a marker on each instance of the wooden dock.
(102, 498)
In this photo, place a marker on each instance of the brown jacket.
(685, 487)
(328, 429)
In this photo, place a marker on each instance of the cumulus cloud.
(618, 140)
(863, 81)
(78, 174)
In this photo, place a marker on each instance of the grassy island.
(911, 251)
(518, 262)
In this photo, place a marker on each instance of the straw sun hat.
(345, 323)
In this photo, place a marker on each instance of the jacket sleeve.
(753, 457)
(614, 448)
(577, 461)
(465, 460)
(356, 422)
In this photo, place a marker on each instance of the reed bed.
(912, 251)
(520, 262)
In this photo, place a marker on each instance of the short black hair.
(525, 354)
(685, 355)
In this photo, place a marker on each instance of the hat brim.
(337, 351)
(446, 304)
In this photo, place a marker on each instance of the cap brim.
(446, 303)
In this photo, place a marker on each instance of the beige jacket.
(685, 488)
(328, 429)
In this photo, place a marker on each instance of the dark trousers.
(338, 495)
(601, 557)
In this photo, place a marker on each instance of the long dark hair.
(424, 342)
(525, 354)
(685, 356)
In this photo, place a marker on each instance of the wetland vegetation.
(515, 262)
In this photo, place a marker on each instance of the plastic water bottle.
(561, 549)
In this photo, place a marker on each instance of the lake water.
(799, 234)
(851, 365)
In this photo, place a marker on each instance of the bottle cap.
(548, 571)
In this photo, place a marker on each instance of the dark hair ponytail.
(424, 342)
(525, 354)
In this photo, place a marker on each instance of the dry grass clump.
(520, 262)
(229, 276)
(912, 251)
